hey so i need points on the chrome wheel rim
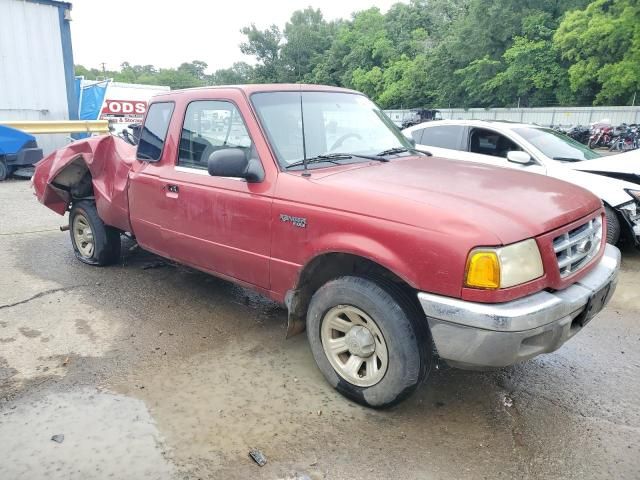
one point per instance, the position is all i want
(83, 235)
(354, 345)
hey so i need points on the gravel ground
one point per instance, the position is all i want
(151, 370)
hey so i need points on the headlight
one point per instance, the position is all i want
(630, 208)
(634, 193)
(493, 268)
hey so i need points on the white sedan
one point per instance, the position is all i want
(615, 179)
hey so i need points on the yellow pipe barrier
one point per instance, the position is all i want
(62, 126)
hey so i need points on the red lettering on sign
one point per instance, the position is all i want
(115, 107)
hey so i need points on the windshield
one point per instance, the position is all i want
(556, 145)
(310, 124)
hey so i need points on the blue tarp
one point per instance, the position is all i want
(90, 99)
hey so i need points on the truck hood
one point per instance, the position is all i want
(509, 204)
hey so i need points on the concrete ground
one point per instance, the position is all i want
(156, 371)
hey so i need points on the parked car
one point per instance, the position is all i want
(17, 150)
(419, 115)
(311, 196)
(544, 151)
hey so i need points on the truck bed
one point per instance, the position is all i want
(108, 159)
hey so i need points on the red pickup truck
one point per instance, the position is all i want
(391, 258)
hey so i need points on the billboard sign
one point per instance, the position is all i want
(123, 111)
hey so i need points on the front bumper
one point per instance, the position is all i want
(25, 157)
(477, 335)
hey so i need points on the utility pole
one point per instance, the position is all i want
(633, 102)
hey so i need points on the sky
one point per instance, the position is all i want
(165, 34)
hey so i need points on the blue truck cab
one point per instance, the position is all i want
(17, 150)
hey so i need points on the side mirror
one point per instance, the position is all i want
(136, 129)
(233, 162)
(412, 141)
(516, 156)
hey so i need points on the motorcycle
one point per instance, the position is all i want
(580, 134)
(626, 137)
(601, 135)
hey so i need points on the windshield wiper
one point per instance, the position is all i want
(568, 159)
(396, 150)
(331, 157)
(319, 159)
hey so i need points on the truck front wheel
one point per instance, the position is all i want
(93, 242)
(369, 340)
(4, 169)
(613, 225)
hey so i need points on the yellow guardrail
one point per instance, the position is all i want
(62, 126)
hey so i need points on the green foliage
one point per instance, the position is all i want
(307, 36)
(185, 76)
(440, 53)
(264, 45)
(239, 73)
(602, 44)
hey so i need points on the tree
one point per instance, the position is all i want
(239, 73)
(307, 35)
(602, 43)
(195, 69)
(532, 71)
(440, 53)
(473, 83)
(264, 45)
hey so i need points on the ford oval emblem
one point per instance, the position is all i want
(585, 246)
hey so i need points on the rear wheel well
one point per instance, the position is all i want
(327, 267)
(76, 179)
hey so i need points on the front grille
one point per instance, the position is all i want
(575, 248)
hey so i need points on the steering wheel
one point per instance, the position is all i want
(341, 140)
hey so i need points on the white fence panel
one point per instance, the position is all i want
(565, 116)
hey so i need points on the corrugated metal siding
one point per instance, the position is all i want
(32, 77)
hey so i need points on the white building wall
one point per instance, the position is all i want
(32, 76)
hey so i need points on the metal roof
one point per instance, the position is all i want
(53, 3)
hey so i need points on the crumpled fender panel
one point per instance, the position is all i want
(109, 160)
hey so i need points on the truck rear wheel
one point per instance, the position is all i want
(93, 242)
(369, 340)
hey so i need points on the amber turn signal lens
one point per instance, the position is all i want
(483, 270)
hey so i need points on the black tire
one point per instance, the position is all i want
(106, 239)
(4, 170)
(613, 225)
(403, 327)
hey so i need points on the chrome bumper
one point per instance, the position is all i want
(476, 335)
